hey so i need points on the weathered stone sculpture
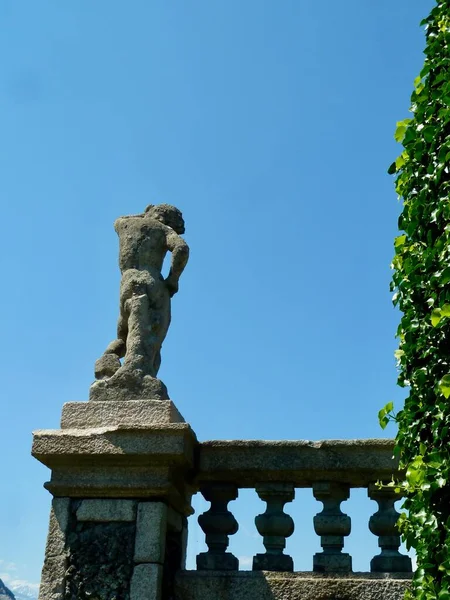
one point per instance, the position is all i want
(145, 297)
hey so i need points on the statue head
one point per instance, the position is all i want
(167, 214)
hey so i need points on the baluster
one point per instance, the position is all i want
(275, 526)
(332, 525)
(384, 524)
(218, 523)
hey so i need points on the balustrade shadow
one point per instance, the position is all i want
(262, 585)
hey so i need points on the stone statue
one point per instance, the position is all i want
(144, 305)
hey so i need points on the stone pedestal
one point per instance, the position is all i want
(118, 524)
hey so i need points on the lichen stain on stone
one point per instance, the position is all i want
(100, 561)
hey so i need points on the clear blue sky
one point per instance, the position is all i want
(270, 124)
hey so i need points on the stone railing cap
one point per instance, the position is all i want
(301, 462)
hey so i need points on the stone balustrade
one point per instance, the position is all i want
(123, 475)
(275, 469)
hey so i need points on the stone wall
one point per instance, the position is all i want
(110, 549)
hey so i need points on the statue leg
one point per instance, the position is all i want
(159, 320)
(144, 321)
(137, 350)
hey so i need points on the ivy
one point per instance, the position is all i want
(421, 286)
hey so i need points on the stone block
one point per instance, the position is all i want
(110, 482)
(332, 563)
(146, 582)
(174, 442)
(273, 562)
(397, 563)
(55, 563)
(53, 578)
(47, 592)
(151, 482)
(84, 415)
(59, 521)
(100, 561)
(151, 528)
(206, 561)
(106, 510)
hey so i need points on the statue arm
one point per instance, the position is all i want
(180, 255)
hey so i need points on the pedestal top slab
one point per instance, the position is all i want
(131, 413)
(147, 461)
(171, 443)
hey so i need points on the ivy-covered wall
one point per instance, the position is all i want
(421, 283)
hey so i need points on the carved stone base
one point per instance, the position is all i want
(217, 562)
(332, 563)
(391, 564)
(128, 385)
(273, 562)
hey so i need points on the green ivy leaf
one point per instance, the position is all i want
(401, 160)
(383, 415)
(392, 169)
(401, 129)
(383, 421)
(398, 354)
(436, 317)
(445, 277)
(444, 386)
(399, 241)
(429, 133)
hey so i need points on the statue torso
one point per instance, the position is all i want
(142, 243)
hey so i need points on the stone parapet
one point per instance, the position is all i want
(206, 585)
